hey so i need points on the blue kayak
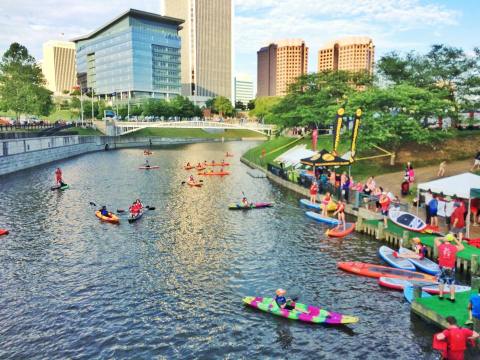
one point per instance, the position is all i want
(386, 254)
(321, 218)
(309, 204)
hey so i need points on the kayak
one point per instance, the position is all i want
(200, 168)
(132, 218)
(407, 220)
(308, 313)
(112, 219)
(339, 232)
(426, 265)
(219, 173)
(3, 232)
(429, 287)
(408, 294)
(386, 254)
(60, 187)
(218, 164)
(377, 271)
(189, 167)
(258, 205)
(149, 167)
(193, 183)
(147, 152)
(228, 155)
(320, 218)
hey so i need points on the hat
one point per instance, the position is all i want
(449, 237)
(280, 292)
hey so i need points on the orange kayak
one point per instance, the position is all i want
(377, 271)
(219, 173)
(3, 232)
(200, 168)
(112, 219)
(189, 167)
(218, 164)
(193, 183)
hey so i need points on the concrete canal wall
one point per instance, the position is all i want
(20, 154)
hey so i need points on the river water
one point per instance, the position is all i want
(171, 285)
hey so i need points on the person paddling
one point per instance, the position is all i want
(147, 164)
(245, 202)
(284, 303)
(105, 212)
(58, 176)
(191, 179)
(340, 211)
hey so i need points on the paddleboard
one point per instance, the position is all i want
(407, 220)
(408, 294)
(307, 313)
(386, 254)
(310, 205)
(429, 287)
(377, 271)
(339, 232)
(320, 218)
(425, 265)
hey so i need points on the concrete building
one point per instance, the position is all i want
(58, 66)
(279, 65)
(206, 46)
(243, 89)
(354, 53)
(134, 56)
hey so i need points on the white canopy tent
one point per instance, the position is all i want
(293, 156)
(458, 185)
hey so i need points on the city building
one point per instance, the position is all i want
(58, 66)
(206, 46)
(279, 65)
(134, 56)
(354, 53)
(243, 89)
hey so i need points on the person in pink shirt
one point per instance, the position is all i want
(447, 257)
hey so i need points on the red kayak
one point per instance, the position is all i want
(339, 232)
(3, 232)
(218, 164)
(377, 271)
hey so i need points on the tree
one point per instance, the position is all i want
(223, 106)
(21, 84)
(251, 104)
(240, 105)
(263, 106)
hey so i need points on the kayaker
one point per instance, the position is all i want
(456, 338)
(188, 164)
(58, 176)
(325, 201)
(204, 162)
(313, 192)
(282, 302)
(134, 210)
(245, 202)
(340, 212)
(223, 162)
(147, 164)
(105, 212)
(139, 204)
(191, 179)
(447, 256)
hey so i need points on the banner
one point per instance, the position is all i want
(356, 126)
(337, 127)
(314, 139)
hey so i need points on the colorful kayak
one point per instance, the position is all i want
(320, 218)
(377, 271)
(386, 254)
(258, 205)
(60, 187)
(132, 218)
(307, 313)
(409, 296)
(427, 286)
(407, 220)
(3, 232)
(339, 232)
(112, 219)
(426, 265)
(149, 167)
(219, 173)
(194, 183)
(218, 164)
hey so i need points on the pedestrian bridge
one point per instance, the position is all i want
(125, 127)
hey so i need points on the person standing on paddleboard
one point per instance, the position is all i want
(456, 338)
(58, 176)
(447, 256)
(313, 192)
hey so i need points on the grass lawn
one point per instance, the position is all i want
(195, 133)
(82, 131)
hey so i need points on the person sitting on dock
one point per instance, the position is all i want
(420, 251)
(447, 256)
(456, 338)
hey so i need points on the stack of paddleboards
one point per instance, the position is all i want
(407, 263)
(339, 231)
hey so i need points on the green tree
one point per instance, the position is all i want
(223, 106)
(22, 84)
(263, 106)
(251, 105)
(240, 105)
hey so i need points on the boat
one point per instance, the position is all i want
(219, 173)
(4, 232)
(149, 167)
(217, 164)
(194, 183)
(60, 187)
(321, 218)
(257, 205)
(147, 152)
(427, 286)
(339, 232)
(200, 168)
(386, 254)
(132, 218)
(426, 265)
(407, 220)
(377, 271)
(189, 167)
(408, 294)
(112, 219)
(307, 313)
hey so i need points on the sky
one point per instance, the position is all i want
(394, 25)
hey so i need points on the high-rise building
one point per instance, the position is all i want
(58, 66)
(136, 55)
(279, 65)
(243, 89)
(206, 46)
(353, 53)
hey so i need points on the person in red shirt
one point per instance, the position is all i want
(341, 214)
(456, 338)
(313, 192)
(447, 256)
(474, 206)
(58, 176)
(457, 220)
(384, 205)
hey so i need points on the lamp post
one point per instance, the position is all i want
(91, 94)
(81, 103)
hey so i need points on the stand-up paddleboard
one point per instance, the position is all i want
(307, 313)
(320, 218)
(408, 294)
(339, 232)
(386, 254)
(377, 271)
(407, 220)
(425, 265)
(309, 204)
(60, 187)
(429, 287)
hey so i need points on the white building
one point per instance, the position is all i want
(243, 89)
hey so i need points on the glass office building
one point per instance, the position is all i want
(136, 55)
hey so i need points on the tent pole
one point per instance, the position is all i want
(468, 216)
(418, 199)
